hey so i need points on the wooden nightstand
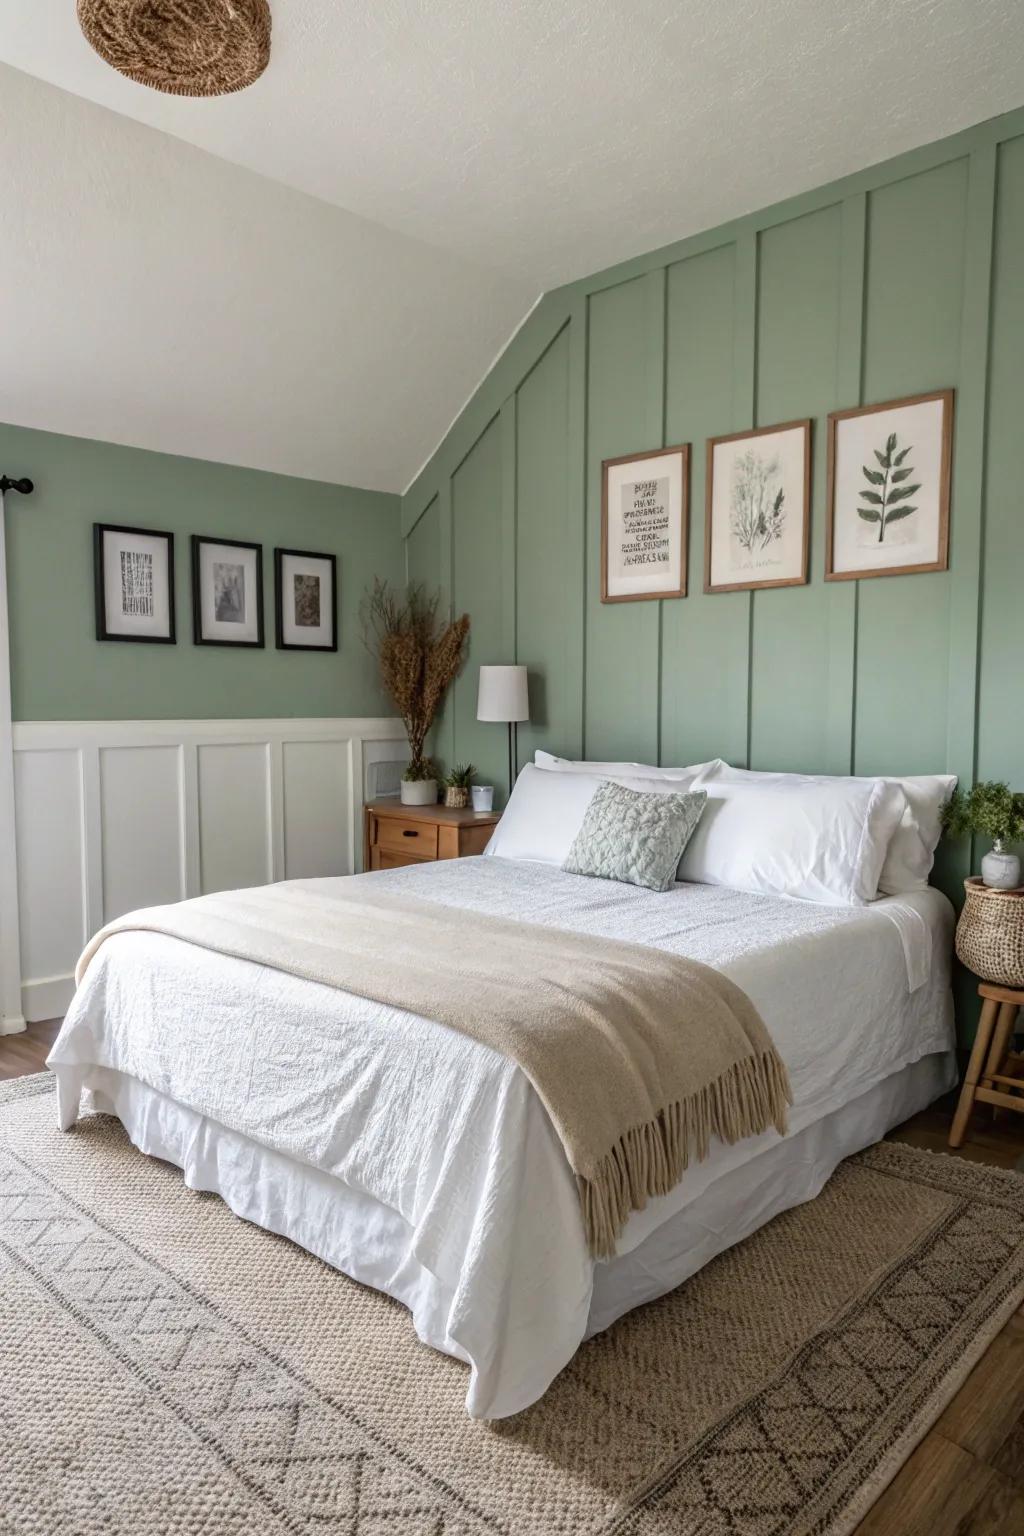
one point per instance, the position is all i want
(395, 834)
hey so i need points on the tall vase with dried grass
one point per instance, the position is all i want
(419, 654)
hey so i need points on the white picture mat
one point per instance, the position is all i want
(117, 621)
(910, 541)
(658, 528)
(211, 555)
(783, 558)
(321, 634)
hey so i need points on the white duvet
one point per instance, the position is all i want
(428, 1154)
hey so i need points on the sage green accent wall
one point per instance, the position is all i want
(902, 278)
(60, 671)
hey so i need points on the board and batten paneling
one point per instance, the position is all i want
(111, 816)
(899, 279)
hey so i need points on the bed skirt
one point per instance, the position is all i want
(372, 1243)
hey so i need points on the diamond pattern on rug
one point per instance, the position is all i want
(787, 1451)
(308, 1460)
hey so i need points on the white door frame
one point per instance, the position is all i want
(12, 1019)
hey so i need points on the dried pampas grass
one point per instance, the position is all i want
(419, 655)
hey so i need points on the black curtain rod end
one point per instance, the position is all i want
(24, 486)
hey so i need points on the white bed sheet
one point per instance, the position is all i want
(409, 1119)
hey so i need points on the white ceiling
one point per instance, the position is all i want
(530, 141)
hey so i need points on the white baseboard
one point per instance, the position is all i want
(47, 998)
(114, 815)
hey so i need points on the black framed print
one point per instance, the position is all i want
(305, 600)
(134, 576)
(227, 591)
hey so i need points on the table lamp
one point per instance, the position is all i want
(503, 697)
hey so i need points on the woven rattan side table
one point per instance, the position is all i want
(995, 1074)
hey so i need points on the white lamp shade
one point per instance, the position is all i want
(503, 694)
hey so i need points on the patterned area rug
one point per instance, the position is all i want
(166, 1368)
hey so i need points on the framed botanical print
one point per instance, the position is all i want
(644, 522)
(757, 508)
(133, 570)
(227, 592)
(305, 600)
(888, 487)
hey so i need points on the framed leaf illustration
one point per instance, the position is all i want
(888, 488)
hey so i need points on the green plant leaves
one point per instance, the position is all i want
(893, 501)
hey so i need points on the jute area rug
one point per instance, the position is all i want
(166, 1368)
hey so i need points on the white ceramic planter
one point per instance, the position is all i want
(1001, 870)
(419, 792)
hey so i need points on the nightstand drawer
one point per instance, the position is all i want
(414, 839)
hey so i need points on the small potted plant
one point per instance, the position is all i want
(419, 654)
(992, 810)
(456, 792)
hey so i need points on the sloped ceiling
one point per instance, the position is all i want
(425, 168)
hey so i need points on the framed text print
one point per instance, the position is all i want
(758, 504)
(888, 487)
(134, 579)
(227, 592)
(306, 600)
(644, 512)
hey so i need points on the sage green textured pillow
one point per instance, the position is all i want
(634, 837)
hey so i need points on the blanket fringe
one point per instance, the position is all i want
(650, 1159)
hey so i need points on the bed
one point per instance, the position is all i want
(422, 1163)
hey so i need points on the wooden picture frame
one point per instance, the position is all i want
(793, 549)
(841, 563)
(288, 622)
(215, 629)
(160, 596)
(663, 518)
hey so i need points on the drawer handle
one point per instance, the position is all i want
(408, 832)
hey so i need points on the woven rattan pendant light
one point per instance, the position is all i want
(185, 47)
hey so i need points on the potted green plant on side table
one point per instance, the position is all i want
(992, 810)
(456, 792)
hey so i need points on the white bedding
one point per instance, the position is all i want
(455, 1193)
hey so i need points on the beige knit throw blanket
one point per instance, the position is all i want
(638, 1056)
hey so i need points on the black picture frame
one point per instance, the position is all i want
(197, 541)
(303, 554)
(99, 532)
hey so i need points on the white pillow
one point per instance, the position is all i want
(823, 840)
(911, 853)
(616, 770)
(545, 811)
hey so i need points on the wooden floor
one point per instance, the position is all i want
(966, 1478)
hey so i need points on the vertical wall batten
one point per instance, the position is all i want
(968, 489)
(656, 282)
(745, 415)
(576, 523)
(843, 595)
(507, 548)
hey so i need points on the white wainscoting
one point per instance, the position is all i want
(112, 815)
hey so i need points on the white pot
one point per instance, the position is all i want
(1001, 870)
(419, 792)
